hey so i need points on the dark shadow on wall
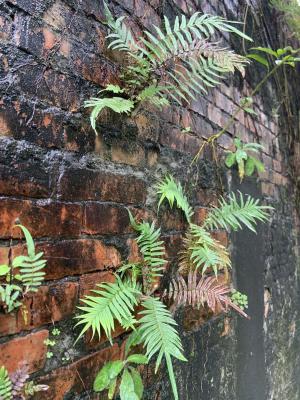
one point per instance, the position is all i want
(248, 266)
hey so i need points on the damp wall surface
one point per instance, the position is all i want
(71, 190)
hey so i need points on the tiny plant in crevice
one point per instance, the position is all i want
(132, 299)
(246, 162)
(176, 63)
(21, 275)
(240, 299)
(16, 385)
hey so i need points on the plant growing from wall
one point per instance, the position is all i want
(178, 62)
(286, 56)
(246, 162)
(16, 385)
(135, 286)
(23, 274)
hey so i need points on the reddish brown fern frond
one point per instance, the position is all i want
(206, 291)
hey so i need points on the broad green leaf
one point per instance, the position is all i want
(112, 389)
(265, 50)
(249, 167)
(258, 58)
(108, 373)
(127, 387)
(137, 359)
(138, 383)
(29, 240)
(133, 340)
(4, 269)
(249, 110)
(240, 155)
(230, 160)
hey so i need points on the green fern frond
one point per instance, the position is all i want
(202, 252)
(9, 297)
(31, 266)
(159, 335)
(154, 95)
(112, 301)
(117, 104)
(151, 247)
(234, 212)
(121, 35)
(172, 191)
(5, 385)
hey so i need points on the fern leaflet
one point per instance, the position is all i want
(160, 336)
(5, 385)
(234, 212)
(197, 293)
(172, 191)
(112, 301)
(203, 252)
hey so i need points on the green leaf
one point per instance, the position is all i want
(5, 385)
(137, 359)
(138, 383)
(172, 191)
(240, 155)
(133, 340)
(112, 389)
(113, 89)
(29, 240)
(107, 374)
(4, 269)
(127, 391)
(230, 160)
(265, 50)
(260, 59)
(112, 301)
(249, 168)
(249, 110)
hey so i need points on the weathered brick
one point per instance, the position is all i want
(76, 257)
(107, 219)
(51, 303)
(29, 349)
(23, 171)
(126, 156)
(86, 184)
(88, 282)
(200, 214)
(78, 376)
(41, 218)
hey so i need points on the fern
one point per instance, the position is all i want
(152, 250)
(9, 297)
(5, 385)
(113, 301)
(197, 293)
(203, 252)
(31, 266)
(176, 63)
(160, 336)
(172, 191)
(233, 213)
(117, 104)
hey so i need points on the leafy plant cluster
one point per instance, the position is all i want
(132, 301)
(16, 386)
(176, 63)
(246, 162)
(22, 275)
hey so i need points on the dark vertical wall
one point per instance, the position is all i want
(71, 190)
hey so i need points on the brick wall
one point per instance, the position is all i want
(71, 190)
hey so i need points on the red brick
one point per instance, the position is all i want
(175, 139)
(133, 251)
(29, 349)
(78, 376)
(200, 214)
(85, 184)
(51, 303)
(221, 236)
(127, 156)
(41, 218)
(88, 282)
(76, 257)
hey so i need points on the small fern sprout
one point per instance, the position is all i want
(172, 191)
